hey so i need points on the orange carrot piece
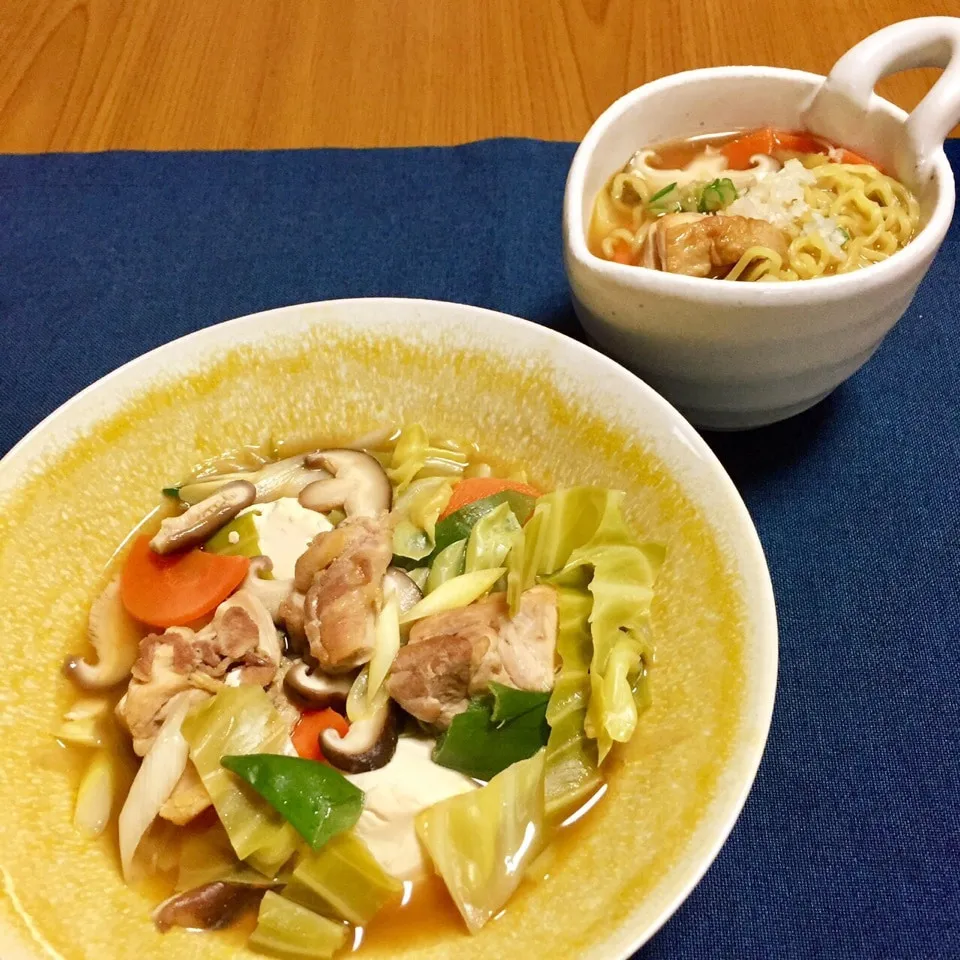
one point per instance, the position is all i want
(476, 488)
(848, 156)
(179, 588)
(621, 254)
(738, 152)
(312, 723)
(799, 142)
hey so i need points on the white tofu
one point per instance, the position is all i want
(394, 795)
(284, 530)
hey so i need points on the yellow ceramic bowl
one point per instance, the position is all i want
(72, 490)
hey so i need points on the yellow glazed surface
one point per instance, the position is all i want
(62, 897)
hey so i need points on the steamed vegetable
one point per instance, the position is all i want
(208, 857)
(572, 764)
(448, 563)
(114, 635)
(491, 538)
(282, 478)
(623, 574)
(291, 932)
(167, 591)
(482, 842)
(162, 767)
(243, 530)
(479, 488)
(716, 195)
(96, 795)
(494, 732)
(415, 514)
(413, 453)
(317, 800)
(458, 592)
(343, 880)
(459, 524)
(236, 722)
(386, 642)
(84, 723)
(312, 723)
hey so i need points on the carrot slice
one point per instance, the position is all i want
(621, 254)
(799, 142)
(738, 152)
(848, 156)
(312, 723)
(177, 589)
(476, 488)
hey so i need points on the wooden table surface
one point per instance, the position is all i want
(208, 74)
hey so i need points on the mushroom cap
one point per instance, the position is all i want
(198, 523)
(359, 484)
(318, 689)
(408, 593)
(370, 743)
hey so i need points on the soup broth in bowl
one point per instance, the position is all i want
(480, 387)
(757, 205)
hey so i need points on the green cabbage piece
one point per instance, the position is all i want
(622, 574)
(240, 721)
(413, 455)
(449, 563)
(208, 857)
(572, 764)
(343, 880)
(481, 842)
(291, 932)
(415, 513)
(578, 541)
(491, 538)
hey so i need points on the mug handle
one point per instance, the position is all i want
(923, 42)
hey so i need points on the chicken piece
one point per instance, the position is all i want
(188, 800)
(240, 638)
(340, 581)
(706, 246)
(454, 655)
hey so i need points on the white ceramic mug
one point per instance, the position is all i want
(740, 355)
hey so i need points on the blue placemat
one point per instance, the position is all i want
(849, 845)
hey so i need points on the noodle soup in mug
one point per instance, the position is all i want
(744, 237)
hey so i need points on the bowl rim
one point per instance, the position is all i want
(33, 451)
(921, 248)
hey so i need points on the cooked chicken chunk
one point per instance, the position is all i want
(240, 639)
(452, 656)
(188, 800)
(338, 590)
(706, 246)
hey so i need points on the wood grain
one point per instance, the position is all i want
(215, 74)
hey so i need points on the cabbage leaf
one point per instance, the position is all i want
(342, 880)
(481, 842)
(240, 721)
(414, 455)
(291, 932)
(448, 563)
(491, 538)
(415, 517)
(572, 764)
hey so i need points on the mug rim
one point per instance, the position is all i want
(922, 248)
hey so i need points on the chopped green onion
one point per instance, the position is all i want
(716, 195)
(660, 194)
